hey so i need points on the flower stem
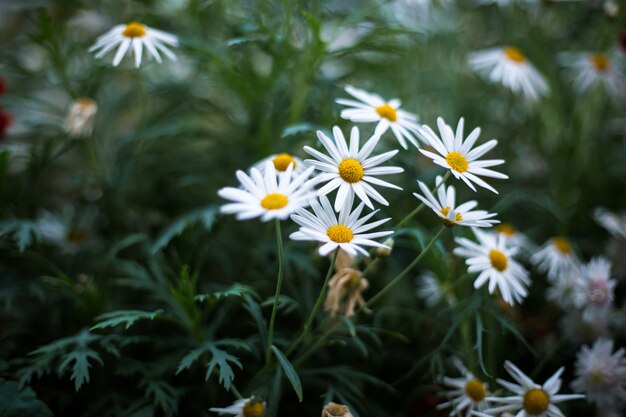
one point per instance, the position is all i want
(279, 283)
(322, 296)
(421, 206)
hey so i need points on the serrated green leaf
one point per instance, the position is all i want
(23, 232)
(126, 317)
(16, 402)
(290, 372)
(236, 290)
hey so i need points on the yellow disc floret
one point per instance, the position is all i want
(536, 401)
(498, 259)
(562, 245)
(274, 201)
(340, 233)
(457, 162)
(253, 408)
(514, 54)
(449, 222)
(282, 161)
(351, 170)
(506, 229)
(475, 390)
(387, 112)
(600, 62)
(134, 30)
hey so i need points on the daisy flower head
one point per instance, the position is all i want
(347, 232)
(563, 291)
(445, 207)
(492, 257)
(531, 399)
(556, 258)
(601, 374)
(80, 117)
(432, 291)
(349, 169)
(370, 108)
(281, 162)
(595, 68)
(135, 36)
(467, 392)
(510, 67)
(596, 291)
(268, 195)
(245, 407)
(456, 153)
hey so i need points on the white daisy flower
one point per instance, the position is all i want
(80, 117)
(510, 67)
(596, 291)
(350, 169)
(468, 392)
(372, 108)
(562, 291)
(593, 68)
(137, 36)
(601, 374)
(345, 232)
(432, 291)
(556, 258)
(268, 195)
(492, 257)
(531, 399)
(456, 153)
(516, 238)
(246, 407)
(281, 162)
(445, 207)
(614, 223)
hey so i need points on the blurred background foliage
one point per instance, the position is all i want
(123, 292)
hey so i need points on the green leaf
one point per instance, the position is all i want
(126, 317)
(290, 372)
(20, 403)
(23, 232)
(236, 290)
(206, 216)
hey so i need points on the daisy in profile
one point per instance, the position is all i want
(246, 407)
(601, 374)
(613, 223)
(530, 399)
(510, 67)
(135, 36)
(467, 393)
(268, 195)
(556, 258)
(445, 207)
(493, 258)
(349, 169)
(281, 162)
(594, 68)
(596, 291)
(456, 153)
(371, 108)
(347, 232)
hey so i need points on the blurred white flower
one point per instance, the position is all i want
(432, 291)
(457, 155)
(510, 67)
(516, 238)
(563, 290)
(135, 36)
(245, 407)
(467, 393)
(556, 258)
(601, 374)
(614, 223)
(372, 108)
(70, 231)
(80, 117)
(596, 291)
(593, 68)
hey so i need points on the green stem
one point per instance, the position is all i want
(421, 206)
(317, 305)
(279, 282)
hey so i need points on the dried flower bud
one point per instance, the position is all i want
(384, 252)
(336, 410)
(80, 118)
(344, 292)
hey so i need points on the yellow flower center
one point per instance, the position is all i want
(562, 245)
(335, 410)
(457, 162)
(506, 229)
(134, 30)
(448, 222)
(514, 54)
(339, 233)
(76, 235)
(274, 201)
(253, 408)
(498, 259)
(475, 390)
(536, 401)
(282, 161)
(600, 62)
(351, 170)
(387, 112)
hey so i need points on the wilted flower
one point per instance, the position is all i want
(246, 407)
(80, 117)
(336, 410)
(345, 290)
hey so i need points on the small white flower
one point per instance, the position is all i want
(563, 290)
(556, 258)
(510, 67)
(468, 392)
(372, 108)
(451, 214)
(349, 169)
(281, 162)
(601, 374)
(268, 195)
(135, 36)
(492, 257)
(80, 117)
(432, 291)
(591, 68)
(615, 224)
(456, 154)
(346, 232)
(596, 291)
(246, 407)
(531, 399)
